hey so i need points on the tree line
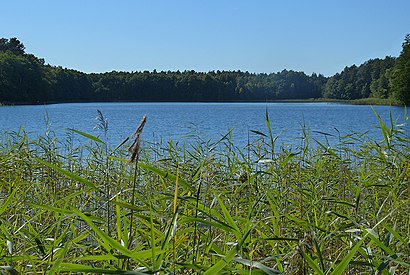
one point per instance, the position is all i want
(27, 79)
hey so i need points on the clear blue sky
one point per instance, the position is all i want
(321, 36)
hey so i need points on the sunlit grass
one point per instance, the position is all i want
(207, 207)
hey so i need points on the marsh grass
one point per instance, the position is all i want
(206, 207)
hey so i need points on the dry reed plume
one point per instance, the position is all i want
(135, 147)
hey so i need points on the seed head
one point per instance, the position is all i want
(135, 147)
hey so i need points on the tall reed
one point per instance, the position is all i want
(207, 207)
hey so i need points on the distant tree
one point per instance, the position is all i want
(400, 77)
(23, 79)
(71, 86)
(380, 87)
(369, 79)
(12, 45)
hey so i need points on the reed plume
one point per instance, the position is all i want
(102, 122)
(135, 147)
(135, 150)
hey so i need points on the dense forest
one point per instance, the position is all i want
(27, 79)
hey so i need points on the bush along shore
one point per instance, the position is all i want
(205, 208)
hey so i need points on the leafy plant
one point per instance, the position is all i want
(209, 208)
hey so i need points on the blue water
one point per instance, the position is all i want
(186, 121)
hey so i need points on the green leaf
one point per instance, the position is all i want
(217, 224)
(341, 267)
(53, 209)
(221, 263)
(311, 263)
(69, 174)
(59, 260)
(153, 248)
(280, 239)
(392, 254)
(107, 240)
(385, 130)
(228, 217)
(11, 200)
(94, 138)
(323, 133)
(76, 268)
(228, 257)
(98, 258)
(258, 133)
(165, 175)
(394, 232)
(253, 264)
(358, 194)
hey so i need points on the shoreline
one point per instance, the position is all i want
(362, 101)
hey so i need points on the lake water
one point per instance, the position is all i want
(183, 121)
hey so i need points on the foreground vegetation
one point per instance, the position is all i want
(26, 79)
(206, 207)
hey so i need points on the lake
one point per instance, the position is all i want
(187, 121)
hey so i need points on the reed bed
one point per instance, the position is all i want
(207, 207)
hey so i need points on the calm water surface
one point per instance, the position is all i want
(181, 121)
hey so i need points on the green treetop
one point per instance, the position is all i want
(400, 79)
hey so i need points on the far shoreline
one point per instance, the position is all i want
(362, 101)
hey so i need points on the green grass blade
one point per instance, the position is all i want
(258, 133)
(119, 218)
(137, 254)
(79, 268)
(228, 217)
(69, 174)
(93, 138)
(258, 265)
(107, 240)
(52, 209)
(384, 129)
(8, 202)
(271, 138)
(97, 258)
(153, 241)
(226, 213)
(221, 263)
(59, 260)
(217, 224)
(228, 257)
(165, 175)
(394, 233)
(392, 254)
(341, 267)
(311, 263)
